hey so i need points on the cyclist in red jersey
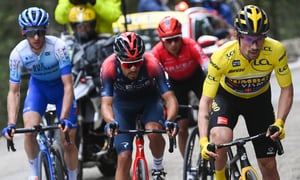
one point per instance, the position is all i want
(182, 58)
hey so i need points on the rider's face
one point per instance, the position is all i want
(35, 37)
(250, 46)
(173, 45)
(131, 68)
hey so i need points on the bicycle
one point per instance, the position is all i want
(51, 165)
(245, 171)
(140, 166)
(195, 167)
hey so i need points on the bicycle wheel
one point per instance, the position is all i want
(43, 166)
(141, 171)
(194, 166)
(59, 167)
(250, 175)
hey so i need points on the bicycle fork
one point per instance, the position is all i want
(139, 156)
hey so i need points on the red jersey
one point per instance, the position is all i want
(182, 66)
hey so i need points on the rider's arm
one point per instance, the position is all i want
(171, 104)
(203, 115)
(13, 102)
(68, 96)
(106, 108)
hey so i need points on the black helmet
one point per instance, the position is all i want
(129, 46)
(252, 20)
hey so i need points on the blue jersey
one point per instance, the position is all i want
(46, 69)
(49, 65)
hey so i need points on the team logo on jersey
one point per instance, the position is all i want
(262, 65)
(236, 63)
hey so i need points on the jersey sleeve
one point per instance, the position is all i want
(107, 76)
(215, 70)
(156, 71)
(281, 69)
(198, 53)
(62, 55)
(15, 67)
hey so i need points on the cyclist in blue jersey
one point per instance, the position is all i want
(133, 82)
(46, 59)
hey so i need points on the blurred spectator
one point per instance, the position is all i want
(153, 5)
(223, 9)
(181, 6)
(107, 12)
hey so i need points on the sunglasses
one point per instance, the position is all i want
(129, 64)
(175, 39)
(32, 32)
(253, 39)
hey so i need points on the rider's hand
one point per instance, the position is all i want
(8, 131)
(65, 124)
(110, 128)
(171, 127)
(279, 123)
(203, 146)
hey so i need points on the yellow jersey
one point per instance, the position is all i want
(244, 78)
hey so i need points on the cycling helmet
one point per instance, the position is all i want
(81, 13)
(169, 26)
(33, 16)
(129, 46)
(252, 20)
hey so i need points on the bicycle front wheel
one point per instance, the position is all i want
(250, 175)
(59, 166)
(43, 167)
(194, 166)
(141, 172)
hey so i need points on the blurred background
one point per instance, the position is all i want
(283, 16)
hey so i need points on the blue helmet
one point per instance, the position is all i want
(33, 16)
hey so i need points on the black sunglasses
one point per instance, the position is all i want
(32, 32)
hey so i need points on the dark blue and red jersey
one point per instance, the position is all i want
(151, 79)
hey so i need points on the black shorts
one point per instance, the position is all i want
(183, 87)
(258, 113)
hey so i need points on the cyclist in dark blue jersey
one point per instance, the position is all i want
(133, 82)
(47, 60)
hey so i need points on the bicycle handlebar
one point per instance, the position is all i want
(241, 141)
(172, 140)
(37, 128)
(195, 107)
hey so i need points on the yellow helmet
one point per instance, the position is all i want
(81, 13)
(252, 20)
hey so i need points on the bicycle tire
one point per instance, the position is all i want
(60, 169)
(194, 166)
(251, 175)
(141, 171)
(43, 166)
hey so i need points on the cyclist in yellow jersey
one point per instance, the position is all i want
(238, 83)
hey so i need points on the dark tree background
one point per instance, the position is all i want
(283, 14)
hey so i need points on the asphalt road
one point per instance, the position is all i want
(14, 166)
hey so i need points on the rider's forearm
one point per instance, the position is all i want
(13, 103)
(171, 105)
(68, 97)
(203, 115)
(285, 102)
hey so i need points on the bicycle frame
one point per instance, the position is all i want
(140, 154)
(46, 147)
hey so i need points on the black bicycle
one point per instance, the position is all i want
(51, 165)
(195, 167)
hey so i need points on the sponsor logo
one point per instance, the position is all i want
(222, 120)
